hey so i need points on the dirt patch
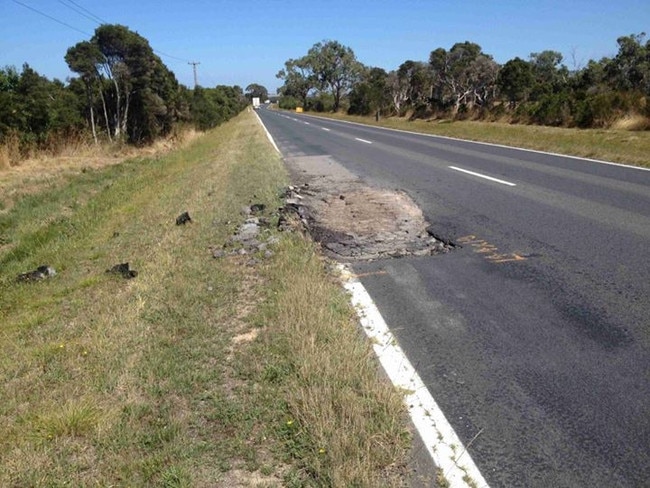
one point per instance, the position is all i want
(240, 478)
(353, 220)
(247, 337)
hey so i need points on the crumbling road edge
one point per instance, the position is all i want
(442, 443)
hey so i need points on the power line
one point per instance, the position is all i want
(170, 56)
(99, 20)
(96, 19)
(84, 12)
(51, 18)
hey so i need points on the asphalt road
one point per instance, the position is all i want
(534, 334)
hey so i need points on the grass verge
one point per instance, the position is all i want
(200, 371)
(616, 145)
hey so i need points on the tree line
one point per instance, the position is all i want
(122, 92)
(464, 82)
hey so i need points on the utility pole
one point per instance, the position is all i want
(196, 78)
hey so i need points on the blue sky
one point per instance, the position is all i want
(243, 42)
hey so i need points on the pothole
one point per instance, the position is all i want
(354, 221)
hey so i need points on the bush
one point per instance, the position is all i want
(288, 103)
(323, 102)
(602, 109)
(421, 111)
(553, 109)
(495, 113)
(210, 107)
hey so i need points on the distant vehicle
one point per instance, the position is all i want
(256, 102)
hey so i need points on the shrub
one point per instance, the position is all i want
(602, 109)
(323, 102)
(552, 109)
(288, 103)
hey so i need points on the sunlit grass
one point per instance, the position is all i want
(340, 422)
(114, 382)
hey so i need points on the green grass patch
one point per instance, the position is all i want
(200, 371)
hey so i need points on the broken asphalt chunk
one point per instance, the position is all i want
(38, 274)
(183, 218)
(123, 269)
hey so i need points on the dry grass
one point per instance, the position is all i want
(633, 122)
(148, 382)
(77, 153)
(34, 174)
(9, 150)
(342, 422)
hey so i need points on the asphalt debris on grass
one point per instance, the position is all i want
(183, 218)
(252, 237)
(124, 270)
(37, 274)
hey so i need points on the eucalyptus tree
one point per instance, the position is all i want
(298, 78)
(255, 90)
(398, 89)
(140, 96)
(515, 81)
(464, 75)
(83, 59)
(416, 78)
(630, 68)
(550, 75)
(334, 67)
(371, 95)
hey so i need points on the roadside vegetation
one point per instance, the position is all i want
(123, 94)
(199, 371)
(465, 83)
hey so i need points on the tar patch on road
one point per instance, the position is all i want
(354, 221)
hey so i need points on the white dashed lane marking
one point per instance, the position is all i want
(503, 182)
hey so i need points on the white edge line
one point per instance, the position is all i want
(503, 182)
(362, 140)
(268, 134)
(434, 136)
(442, 443)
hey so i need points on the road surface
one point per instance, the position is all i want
(534, 334)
